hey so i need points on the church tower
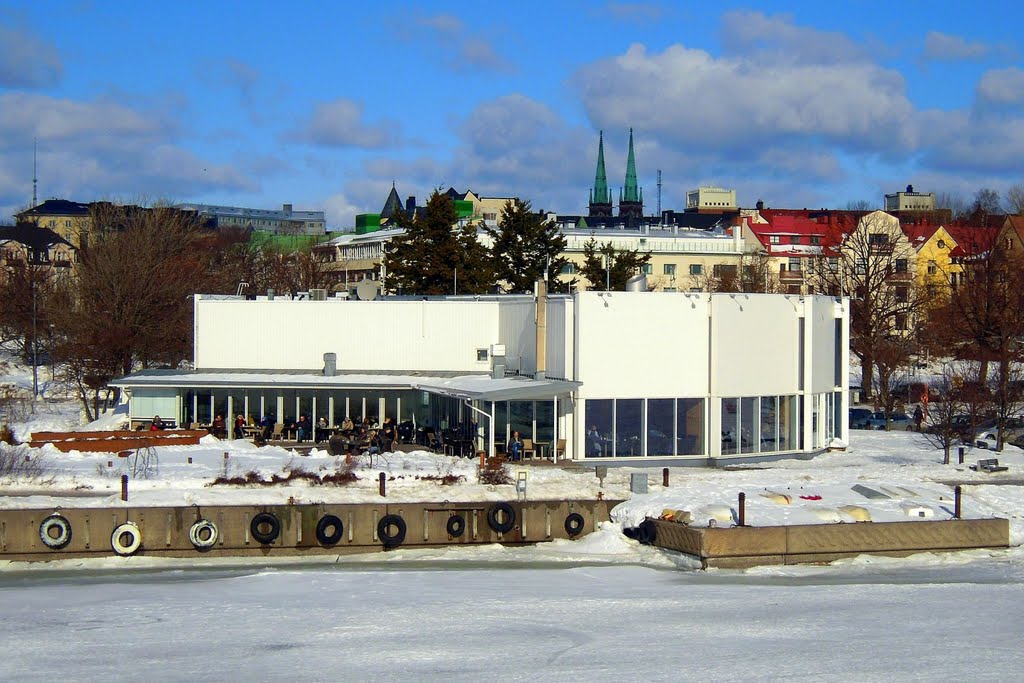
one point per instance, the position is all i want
(631, 198)
(600, 197)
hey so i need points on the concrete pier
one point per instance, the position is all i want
(289, 530)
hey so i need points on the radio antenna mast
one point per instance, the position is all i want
(659, 196)
(35, 180)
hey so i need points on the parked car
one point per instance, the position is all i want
(860, 417)
(987, 431)
(897, 422)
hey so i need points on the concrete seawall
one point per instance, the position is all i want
(288, 530)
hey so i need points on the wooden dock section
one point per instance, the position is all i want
(288, 530)
(742, 547)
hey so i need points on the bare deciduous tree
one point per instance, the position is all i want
(873, 265)
(131, 301)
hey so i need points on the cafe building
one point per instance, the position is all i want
(631, 377)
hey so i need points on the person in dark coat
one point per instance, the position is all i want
(218, 427)
(303, 429)
(515, 447)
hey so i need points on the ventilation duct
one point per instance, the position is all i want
(637, 283)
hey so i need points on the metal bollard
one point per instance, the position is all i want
(124, 487)
(382, 479)
(28, 458)
(225, 455)
(664, 477)
(190, 460)
(742, 517)
(960, 455)
(110, 463)
(956, 502)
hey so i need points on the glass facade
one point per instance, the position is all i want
(760, 424)
(653, 427)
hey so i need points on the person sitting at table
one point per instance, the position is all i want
(302, 429)
(266, 426)
(594, 441)
(388, 435)
(218, 428)
(157, 424)
(322, 430)
(515, 447)
(239, 423)
(347, 426)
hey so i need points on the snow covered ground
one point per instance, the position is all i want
(602, 607)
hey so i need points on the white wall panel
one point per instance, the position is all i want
(366, 335)
(518, 332)
(641, 344)
(560, 338)
(822, 320)
(756, 346)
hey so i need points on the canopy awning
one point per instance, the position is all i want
(475, 387)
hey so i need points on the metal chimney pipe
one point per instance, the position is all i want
(542, 328)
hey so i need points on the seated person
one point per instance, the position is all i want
(594, 443)
(157, 424)
(347, 425)
(218, 428)
(266, 427)
(302, 429)
(388, 435)
(239, 423)
(515, 447)
(322, 430)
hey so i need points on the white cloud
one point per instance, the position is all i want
(464, 50)
(689, 98)
(639, 12)
(1002, 86)
(777, 38)
(943, 47)
(443, 23)
(92, 149)
(26, 61)
(340, 123)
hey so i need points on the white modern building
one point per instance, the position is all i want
(606, 377)
(285, 220)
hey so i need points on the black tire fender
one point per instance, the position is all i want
(574, 524)
(63, 527)
(391, 540)
(456, 526)
(647, 532)
(510, 518)
(265, 537)
(329, 522)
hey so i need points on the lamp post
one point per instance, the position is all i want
(607, 273)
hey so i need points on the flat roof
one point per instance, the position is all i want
(479, 387)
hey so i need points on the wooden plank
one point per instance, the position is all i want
(115, 445)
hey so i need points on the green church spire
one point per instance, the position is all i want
(601, 195)
(632, 192)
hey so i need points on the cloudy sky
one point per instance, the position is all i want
(255, 103)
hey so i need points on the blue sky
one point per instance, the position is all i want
(800, 104)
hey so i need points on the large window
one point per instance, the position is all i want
(600, 428)
(617, 427)
(730, 426)
(690, 426)
(661, 418)
(629, 427)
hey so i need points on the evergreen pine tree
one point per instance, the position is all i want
(436, 256)
(524, 246)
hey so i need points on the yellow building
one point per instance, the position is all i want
(71, 220)
(935, 266)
